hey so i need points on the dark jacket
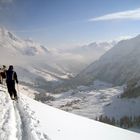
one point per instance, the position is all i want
(11, 76)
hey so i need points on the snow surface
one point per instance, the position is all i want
(28, 119)
(96, 100)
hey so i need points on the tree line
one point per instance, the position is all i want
(123, 122)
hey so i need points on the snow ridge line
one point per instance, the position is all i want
(25, 131)
(18, 123)
(30, 124)
(6, 115)
(8, 123)
(3, 124)
(17, 120)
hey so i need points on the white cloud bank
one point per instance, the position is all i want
(130, 15)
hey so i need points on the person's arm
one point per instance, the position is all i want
(0, 78)
(15, 77)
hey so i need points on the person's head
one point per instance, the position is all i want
(4, 66)
(11, 67)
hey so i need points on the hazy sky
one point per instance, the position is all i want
(64, 23)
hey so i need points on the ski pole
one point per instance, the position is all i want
(17, 91)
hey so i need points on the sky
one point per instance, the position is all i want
(68, 23)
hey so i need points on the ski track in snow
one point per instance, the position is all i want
(17, 120)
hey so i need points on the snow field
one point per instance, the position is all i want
(28, 119)
(31, 126)
(61, 125)
(17, 121)
(7, 118)
(92, 103)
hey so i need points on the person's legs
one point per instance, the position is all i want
(14, 91)
(9, 87)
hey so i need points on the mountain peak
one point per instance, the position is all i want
(137, 37)
(12, 43)
(7, 34)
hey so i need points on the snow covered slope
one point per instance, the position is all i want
(13, 44)
(99, 99)
(118, 65)
(31, 120)
(32, 61)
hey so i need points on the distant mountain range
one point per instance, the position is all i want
(113, 62)
(32, 61)
(35, 62)
(92, 51)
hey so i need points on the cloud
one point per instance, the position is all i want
(124, 37)
(129, 15)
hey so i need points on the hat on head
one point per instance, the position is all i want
(11, 67)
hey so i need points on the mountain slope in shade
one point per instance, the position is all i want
(31, 120)
(119, 65)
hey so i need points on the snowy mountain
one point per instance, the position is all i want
(12, 44)
(33, 62)
(92, 51)
(30, 120)
(118, 65)
(73, 60)
(40, 67)
(98, 47)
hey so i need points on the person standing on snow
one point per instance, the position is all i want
(3, 74)
(11, 77)
(0, 76)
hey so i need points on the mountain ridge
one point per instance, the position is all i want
(118, 65)
(24, 47)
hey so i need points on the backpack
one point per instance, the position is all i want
(3, 74)
(10, 75)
